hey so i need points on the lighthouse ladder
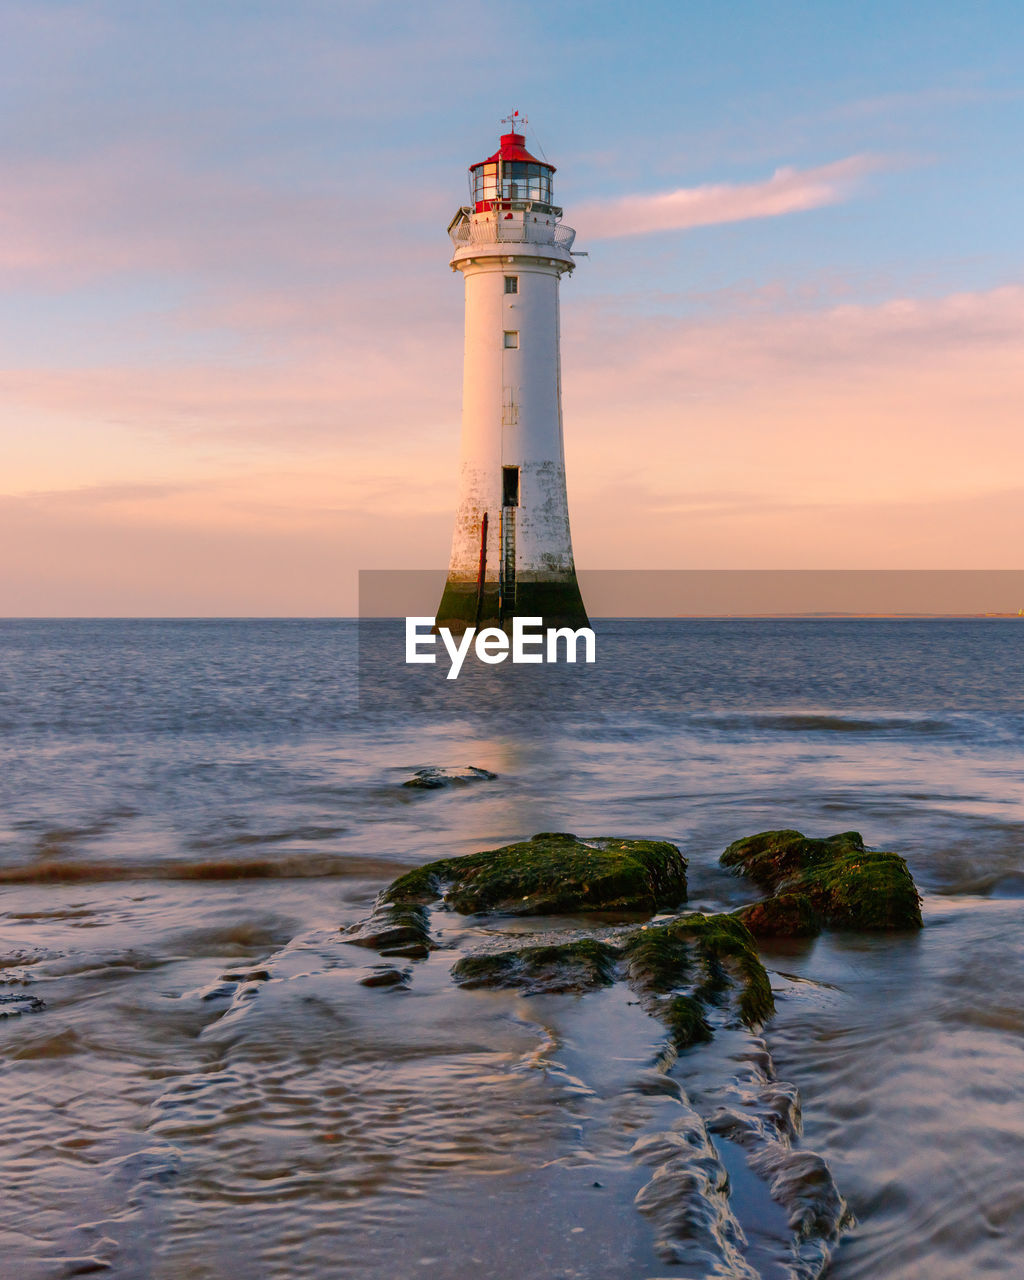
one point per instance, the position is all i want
(508, 562)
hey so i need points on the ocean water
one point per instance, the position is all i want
(195, 1083)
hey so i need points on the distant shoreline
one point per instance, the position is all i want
(907, 617)
(611, 617)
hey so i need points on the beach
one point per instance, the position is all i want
(196, 1081)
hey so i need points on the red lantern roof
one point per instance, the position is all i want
(513, 147)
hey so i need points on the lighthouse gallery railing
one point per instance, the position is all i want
(520, 231)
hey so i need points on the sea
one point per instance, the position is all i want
(197, 1083)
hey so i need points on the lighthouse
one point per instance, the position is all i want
(511, 549)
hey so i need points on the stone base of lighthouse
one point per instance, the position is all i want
(554, 598)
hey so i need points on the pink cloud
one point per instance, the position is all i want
(332, 387)
(192, 556)
(786, 191)
(716, 356)
(774, 435)
(853, 435)
(856, 530)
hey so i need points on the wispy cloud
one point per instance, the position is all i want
(912, 401)
(786, 191)
(757, 344)
(99, 496)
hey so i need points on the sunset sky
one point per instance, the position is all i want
(231, 342)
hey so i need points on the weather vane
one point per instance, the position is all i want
(514, 119)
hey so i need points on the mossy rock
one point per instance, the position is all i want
(832, 881)
(712, 954)
(865, 891)
(770, 858)
(582, 965)
(680, 968)
(553, 872)
(787, 915)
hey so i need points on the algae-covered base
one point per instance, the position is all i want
(555, 599)
(554, 872)
(815, 882)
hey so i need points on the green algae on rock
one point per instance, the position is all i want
(681, 968)
(684, 1018)
(581, 965)
(814, 882)
(771, 857)
(552, 872)
(714, 954)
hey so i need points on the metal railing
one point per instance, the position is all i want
(521, 230)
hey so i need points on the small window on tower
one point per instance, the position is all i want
(511, 284)
(510, 486)
(511, 338)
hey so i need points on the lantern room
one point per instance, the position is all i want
(511, 178)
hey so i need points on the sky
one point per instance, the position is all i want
(231, 344)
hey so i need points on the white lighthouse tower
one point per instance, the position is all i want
(511, 550)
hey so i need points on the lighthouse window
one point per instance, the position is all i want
(511, 338)
(521, 181)
(510, 486)
(485, 181)
(511, 284)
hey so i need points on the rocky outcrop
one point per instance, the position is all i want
(553, 872)
(394, 929)
(817, 882)
(696, 974)
(13, 1005)
(434, 777)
